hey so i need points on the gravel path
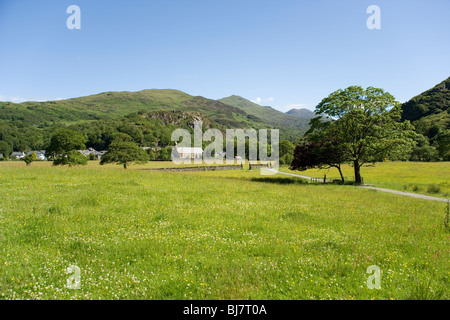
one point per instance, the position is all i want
(407, 194)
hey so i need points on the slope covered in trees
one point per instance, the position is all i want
(429, 113)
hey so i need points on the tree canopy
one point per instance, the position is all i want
(286, 152)
(63, 148)
(123, 150)
(319, 152)
(366, 124)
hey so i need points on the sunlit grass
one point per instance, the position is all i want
(141, 234)
(414, 177)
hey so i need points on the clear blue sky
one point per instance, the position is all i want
(281, 53)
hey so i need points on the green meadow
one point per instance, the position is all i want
(235, 234)
(429, 178)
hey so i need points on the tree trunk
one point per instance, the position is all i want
(357, 168)
(342, 176)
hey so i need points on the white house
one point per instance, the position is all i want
(187, 152)
(98, 154)
(39, 154)
(17, 155)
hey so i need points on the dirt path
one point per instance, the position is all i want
(407, 194)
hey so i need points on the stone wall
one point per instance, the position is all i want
(203, 168)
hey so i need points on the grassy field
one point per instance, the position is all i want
(141, 234)
(430, 178)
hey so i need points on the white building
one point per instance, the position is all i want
(17, 155)
(187, 152)
(39, 154)
(98, 154)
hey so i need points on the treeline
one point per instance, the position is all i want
(152, 130)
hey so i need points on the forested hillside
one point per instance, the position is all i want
(429, 113)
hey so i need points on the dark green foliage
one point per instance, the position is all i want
(20, 136)
(152, 154)
(5, 148)
(286, 152)
(319, 152)
(63, 148)
(429, 113)
(71, 158)
(365, 123)
(28, 159)
(66, 140)
(422, 151)
(153, 129)
(123, 151)
(442, 142)
(165, 154)
(433, 188)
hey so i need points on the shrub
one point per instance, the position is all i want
(72, 158)
(433, 188)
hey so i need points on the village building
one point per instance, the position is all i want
(17, 155)
(39, 154)
(187, 152)
(97, 154)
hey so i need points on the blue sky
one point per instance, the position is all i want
(285, 53)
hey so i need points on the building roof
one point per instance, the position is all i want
(188, 150)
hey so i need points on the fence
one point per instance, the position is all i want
(347, 180)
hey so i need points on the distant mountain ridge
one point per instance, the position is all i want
(109, 105)
(293, 126)
(29, 125)
(302, 113)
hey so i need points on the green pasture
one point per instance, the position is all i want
(142, 234)
(430, 178)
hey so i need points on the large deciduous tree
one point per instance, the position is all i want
(123, 150)
(366, 123)
(63, 148)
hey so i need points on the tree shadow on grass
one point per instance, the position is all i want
(277, 180)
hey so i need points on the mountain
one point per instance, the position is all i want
(292, 126)
(110, 105)
(302, 113)
(29, 125)
(429, 113)
(435, 101)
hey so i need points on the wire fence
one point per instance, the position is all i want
(335, 180)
